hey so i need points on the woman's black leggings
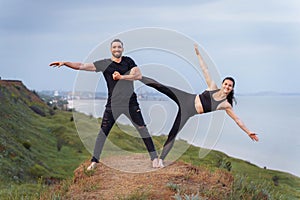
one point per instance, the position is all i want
(186, 109)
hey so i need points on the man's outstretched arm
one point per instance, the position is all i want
(75, 65)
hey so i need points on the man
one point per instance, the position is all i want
(119, 72)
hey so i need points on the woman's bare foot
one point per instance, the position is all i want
(92, 166)
(161, 163)
(155, 163)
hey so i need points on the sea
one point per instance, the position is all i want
(275, 118)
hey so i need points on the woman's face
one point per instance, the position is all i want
(227, 86)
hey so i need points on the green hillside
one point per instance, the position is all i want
(37, 143)
(40, 146)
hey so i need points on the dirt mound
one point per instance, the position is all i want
(137, 180)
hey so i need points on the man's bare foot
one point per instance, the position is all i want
(161, 163)
(155, 163)
(92, 166)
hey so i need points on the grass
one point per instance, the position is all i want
(25, 167)
(139, 194)
(29, 144)
(249, 178)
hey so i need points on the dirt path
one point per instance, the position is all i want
(138, 163)
(138, 180)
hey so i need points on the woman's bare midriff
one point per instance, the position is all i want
(198, 105)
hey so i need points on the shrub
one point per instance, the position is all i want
(174, 187)
(51, 112)
(37, 110)
(223, 163)
(37, 171)
(275, 180)
(27, 144)
(60, 142)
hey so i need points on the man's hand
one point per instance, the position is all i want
(116, 76)
(56, 64)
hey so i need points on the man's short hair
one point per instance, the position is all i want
(116, 40)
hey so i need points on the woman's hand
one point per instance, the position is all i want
(56, 64)
(253, 136)
(196, 49)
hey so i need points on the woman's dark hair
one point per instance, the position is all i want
(230, 96)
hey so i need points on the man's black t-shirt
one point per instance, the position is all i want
(120, 92)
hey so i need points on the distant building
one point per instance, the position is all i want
(56, 93)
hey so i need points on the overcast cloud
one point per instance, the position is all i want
(256, 41)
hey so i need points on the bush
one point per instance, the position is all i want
(37, 110)
(27, 145)
(38, 171)
(223, 163)
(275, 179)
(51, 112)
(59, 143)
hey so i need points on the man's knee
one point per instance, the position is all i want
(141, 127)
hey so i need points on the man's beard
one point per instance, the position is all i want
(117, 54)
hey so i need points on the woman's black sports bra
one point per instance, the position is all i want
(209, 104)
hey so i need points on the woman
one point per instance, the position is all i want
(212, 99)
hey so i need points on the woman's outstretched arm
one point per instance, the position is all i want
(210, 83)
(239, 122)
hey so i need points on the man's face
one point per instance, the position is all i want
(116, 49)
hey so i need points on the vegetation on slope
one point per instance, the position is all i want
(37, 143)
(40, 146)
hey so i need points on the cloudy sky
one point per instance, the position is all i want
(255, 41)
